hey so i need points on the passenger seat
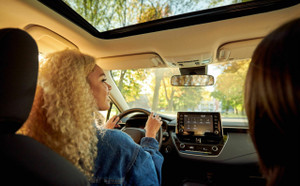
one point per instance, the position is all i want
(24, 160)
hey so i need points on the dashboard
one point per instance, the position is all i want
(200, 136)
(198, 149)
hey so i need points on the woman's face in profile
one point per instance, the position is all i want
(101, 89)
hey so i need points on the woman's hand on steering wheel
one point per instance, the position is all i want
(112, 122)
(153, 125)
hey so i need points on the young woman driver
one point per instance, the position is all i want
(72, 89)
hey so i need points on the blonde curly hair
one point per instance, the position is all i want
(62, 115)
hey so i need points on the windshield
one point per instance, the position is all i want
(151, 89)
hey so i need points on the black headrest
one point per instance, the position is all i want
(18, 78)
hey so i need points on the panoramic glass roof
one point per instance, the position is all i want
(107, 15)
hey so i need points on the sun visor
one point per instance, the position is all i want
(237, 50)
(47, 40)
(131, 61)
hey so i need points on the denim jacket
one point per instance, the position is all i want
(120, 161)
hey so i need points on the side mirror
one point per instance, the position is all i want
(192, 80)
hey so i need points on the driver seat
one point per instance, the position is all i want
(24, 160)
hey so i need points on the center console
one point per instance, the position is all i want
(199, 133)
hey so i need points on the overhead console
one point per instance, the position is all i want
(199, 133)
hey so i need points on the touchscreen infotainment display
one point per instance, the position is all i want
(199, 123)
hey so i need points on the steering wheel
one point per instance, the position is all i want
(136, 133)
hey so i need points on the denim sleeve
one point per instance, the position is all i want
(151, 145)
(120, 161)
(147, 167)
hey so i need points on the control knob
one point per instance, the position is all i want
(182, 145)
(216, 132)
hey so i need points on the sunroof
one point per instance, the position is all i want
(111, 19)
(105, 15)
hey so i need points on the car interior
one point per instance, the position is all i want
(185, 60)
(23, 157)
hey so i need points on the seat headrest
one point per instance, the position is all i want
(18, 78)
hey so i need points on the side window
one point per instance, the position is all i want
(111, 112)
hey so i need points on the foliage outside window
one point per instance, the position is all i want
(106, 15)
(151, 89)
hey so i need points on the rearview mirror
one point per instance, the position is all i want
(192, 80)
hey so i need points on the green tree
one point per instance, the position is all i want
(170, 98)
(157, 82)
(153, 11)
(126, 80)
(105, 14)
(228, 87)
(111, 14)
